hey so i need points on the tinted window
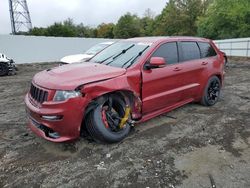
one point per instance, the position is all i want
(190, 50)
(206, 49)
(168, 51)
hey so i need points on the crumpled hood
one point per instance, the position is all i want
(68, 77)
(75, 58)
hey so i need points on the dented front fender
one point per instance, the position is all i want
(128, 85)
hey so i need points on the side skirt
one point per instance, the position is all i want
(164, 110)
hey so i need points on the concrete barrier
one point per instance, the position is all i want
(28, 49)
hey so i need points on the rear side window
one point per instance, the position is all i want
(190, 50)
(168, 51)
(206, 50)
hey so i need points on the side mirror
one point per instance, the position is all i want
(155, 62)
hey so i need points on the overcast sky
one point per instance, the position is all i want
(88, 12)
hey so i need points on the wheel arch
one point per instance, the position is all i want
(206, 81)
(218, 75)
(130, 98)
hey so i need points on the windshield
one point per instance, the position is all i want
(97, 48)
(121, 54)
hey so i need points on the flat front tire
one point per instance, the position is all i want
(102, 122)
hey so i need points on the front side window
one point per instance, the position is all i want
(206, 50)
(168, 51)
(190, 50)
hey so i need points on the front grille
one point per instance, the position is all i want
(38, 94)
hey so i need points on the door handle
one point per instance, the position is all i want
(204, 63)
(177, 69)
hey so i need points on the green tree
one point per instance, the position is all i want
(226, 19)
(90, 32)
(216, 19)
(105, 30)
(38, 31)
(60, 30)
(127, 26)
(169, 21)
(146, 23)
(179, 17)
(81, 30)
(64, 29)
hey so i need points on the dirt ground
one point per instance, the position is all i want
(193, 146)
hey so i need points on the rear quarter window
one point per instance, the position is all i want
(190, 50)
(206, 50)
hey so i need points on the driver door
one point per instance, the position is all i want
(161, 87)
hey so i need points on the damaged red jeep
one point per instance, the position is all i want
(129, 82)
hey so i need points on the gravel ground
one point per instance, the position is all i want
(193, 146)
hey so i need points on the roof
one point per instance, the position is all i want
(161, 38)
(148, 39)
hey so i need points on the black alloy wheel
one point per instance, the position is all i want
(212, 92)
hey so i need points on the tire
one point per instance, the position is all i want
(211, 92)
(99, 129)
(4, 69)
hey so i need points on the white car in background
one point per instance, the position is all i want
(7, 66)
(87, 55)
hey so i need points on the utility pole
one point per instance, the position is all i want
(19, 16)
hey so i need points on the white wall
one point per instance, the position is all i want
(28, 49)
(235, 47)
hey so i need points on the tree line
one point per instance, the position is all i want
(215, 19)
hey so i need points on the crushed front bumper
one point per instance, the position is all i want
(67, 127)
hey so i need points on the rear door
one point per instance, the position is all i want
(193, 67)
(161, 86)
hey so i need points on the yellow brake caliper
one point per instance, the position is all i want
(125, 118)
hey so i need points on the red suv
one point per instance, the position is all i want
(129, 82)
